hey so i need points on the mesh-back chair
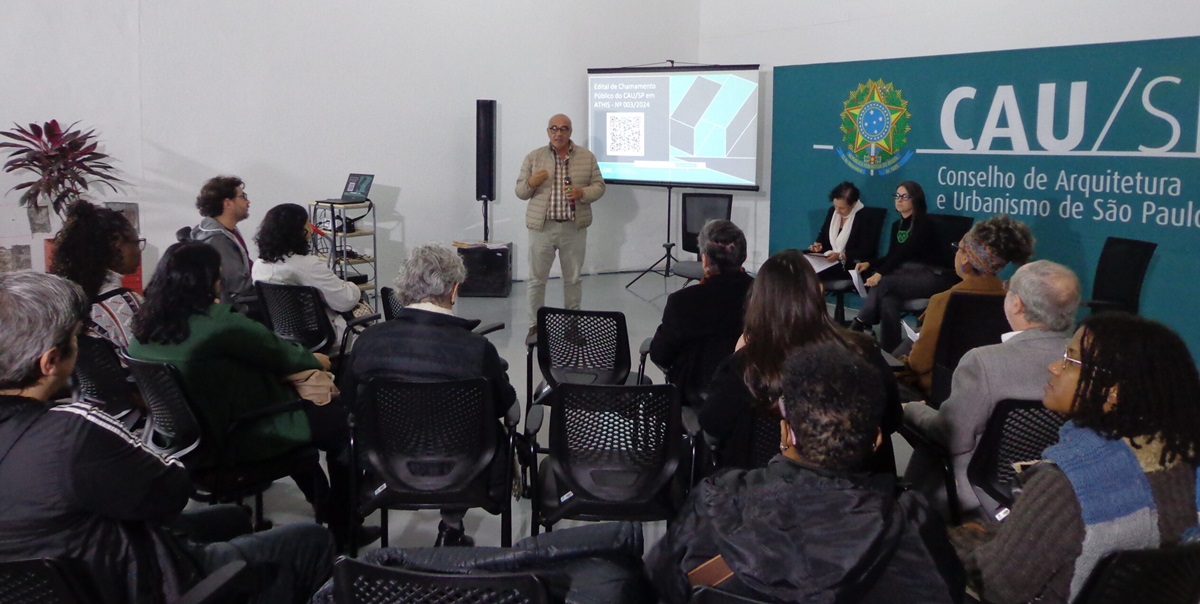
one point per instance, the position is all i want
(697, 210)
(101, 378)
(296, 313)
(615, 454)
(948, 230)
(871, 220)
(1170, 575)
(581, 347)
(390, 303)
(356, 582)
(433, 445)
(970, 321)
(172, 428)
(66, 581)
(1119, 275)
(1016, 431)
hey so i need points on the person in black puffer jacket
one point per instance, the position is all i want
(808, 528)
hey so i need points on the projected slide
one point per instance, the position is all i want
(695, 127)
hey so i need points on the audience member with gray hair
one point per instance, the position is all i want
(75, 484)
(1040, 305)
(701, 324)
(425, 342)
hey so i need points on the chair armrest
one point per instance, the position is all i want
(918, 440)
(691, 421)
(484, 329)
(363, 320)
(234, 581)
(643, 352)
(533, 420)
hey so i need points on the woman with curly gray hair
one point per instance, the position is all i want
(425, 342)
(986, 249)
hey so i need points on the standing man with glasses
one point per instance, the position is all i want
(560, 181)
(1040, 305)
(223, 204)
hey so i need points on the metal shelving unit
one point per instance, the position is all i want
(344, 223)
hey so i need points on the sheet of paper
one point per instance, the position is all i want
(910, 332)
(819, 263)
(858, 283)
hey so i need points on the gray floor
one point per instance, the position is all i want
(642, 304)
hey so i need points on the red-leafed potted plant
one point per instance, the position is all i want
(65, 162)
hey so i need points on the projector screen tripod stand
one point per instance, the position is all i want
(667, 256)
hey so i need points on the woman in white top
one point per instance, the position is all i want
(839, 239)
(283, 258)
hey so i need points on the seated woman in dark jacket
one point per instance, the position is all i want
(785, 311)
(701, 324)
(426, 342)
(841, 238)
(810, 527)
(909, 270)
(232, 365)
(1122, 476)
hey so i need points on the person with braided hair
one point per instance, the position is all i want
(1122, 475)
(95, 249)
(987, 248)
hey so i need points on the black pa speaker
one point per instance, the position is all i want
(485, 150)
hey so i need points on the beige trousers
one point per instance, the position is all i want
(569, 243)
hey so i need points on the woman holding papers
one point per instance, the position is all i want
(909, 270)
(841, 239)
(986, 249)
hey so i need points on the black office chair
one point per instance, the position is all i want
(172, 428)
(949, 230)
(432, 445)
(101, 379)
(356, 582)
(615, 453)
(871, 220)
(390, 303)
(578, 347)
(296, 313)
(970, 321)
(65, 581)
(697, 209)
(1169, 575)
(1016, 431)
(1119, 275)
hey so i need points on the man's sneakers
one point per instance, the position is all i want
(449, 536)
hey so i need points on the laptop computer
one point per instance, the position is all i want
(358, 186)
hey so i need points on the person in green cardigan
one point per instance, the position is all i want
(232, 365)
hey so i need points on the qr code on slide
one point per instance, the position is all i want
(626, 134)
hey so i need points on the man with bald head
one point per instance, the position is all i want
(560, 180)
(1040, 304)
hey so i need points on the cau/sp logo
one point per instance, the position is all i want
(875, 129)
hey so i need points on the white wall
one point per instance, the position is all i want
(799, 32)
(292, 96)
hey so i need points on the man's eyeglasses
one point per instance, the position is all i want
(557, 129)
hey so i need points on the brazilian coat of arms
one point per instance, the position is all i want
(875, 129)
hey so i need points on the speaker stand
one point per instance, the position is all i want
(487, 231)
(667, 255)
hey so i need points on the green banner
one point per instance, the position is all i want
(1081, 143)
